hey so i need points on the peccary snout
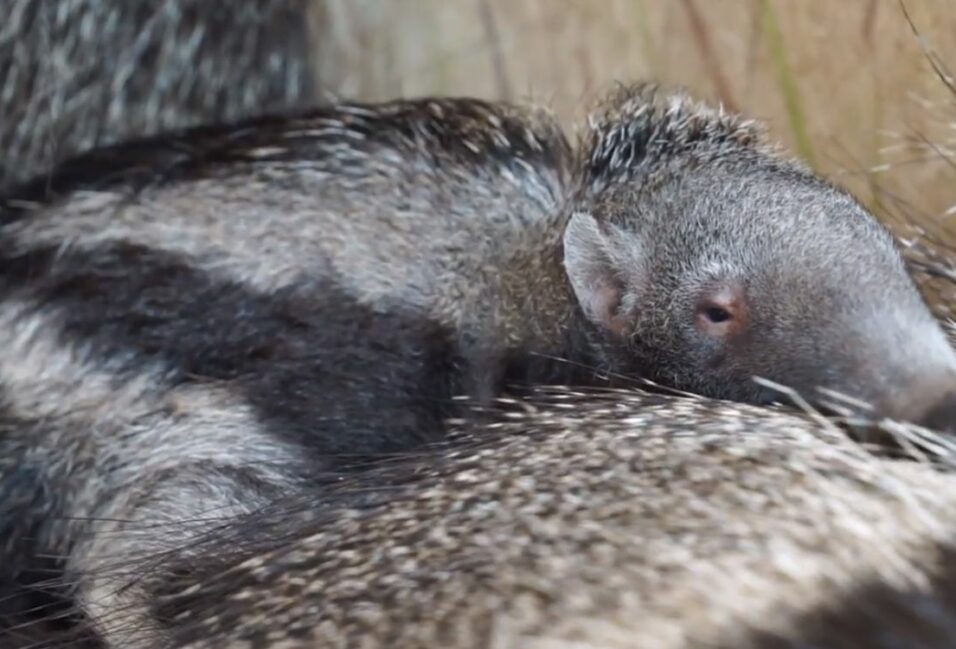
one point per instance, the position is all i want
(905, 366)
(928, 398)
(715, 262)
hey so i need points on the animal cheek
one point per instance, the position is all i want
(717, 359)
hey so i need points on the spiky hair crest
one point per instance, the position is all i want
(636, 128)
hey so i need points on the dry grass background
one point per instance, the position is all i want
(845, 84)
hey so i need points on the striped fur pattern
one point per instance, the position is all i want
(205, 326)
(606, 254)
(75, 74)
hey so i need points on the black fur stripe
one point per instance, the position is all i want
(320, 369)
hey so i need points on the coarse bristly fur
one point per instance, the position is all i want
(674, 243)
(75, 74)
(179, 311)
(135, 416)
(688, 207)
(612, 520)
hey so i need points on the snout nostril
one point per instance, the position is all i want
(942, 416)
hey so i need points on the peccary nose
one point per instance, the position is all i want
(942, 415)
(927, 399)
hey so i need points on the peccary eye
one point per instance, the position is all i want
(717, 314)
(722, 312)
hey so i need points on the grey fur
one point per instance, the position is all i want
(709, 204)
(480, 216)
(174, 309)
(121, 436)
(75, 74)
(585, 520)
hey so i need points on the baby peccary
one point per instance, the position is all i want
(619, 521)
(675, 243)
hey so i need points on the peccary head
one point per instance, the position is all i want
(705, 258)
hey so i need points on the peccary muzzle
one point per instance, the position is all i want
(705, 259)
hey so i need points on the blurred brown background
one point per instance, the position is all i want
(845, 84)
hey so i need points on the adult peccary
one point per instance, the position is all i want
(619, 520)
(673, 243)
(75, 74)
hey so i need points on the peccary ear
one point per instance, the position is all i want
(589, 261)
